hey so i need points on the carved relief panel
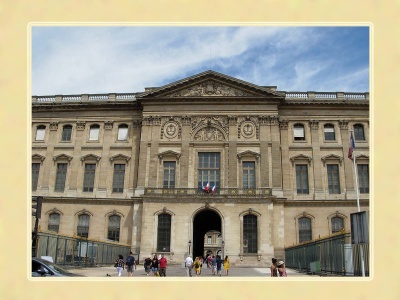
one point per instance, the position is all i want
(170, 129)
(248, 128)
(210, 129)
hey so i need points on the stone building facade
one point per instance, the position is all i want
(159, 169)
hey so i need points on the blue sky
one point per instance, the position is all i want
(121, 59)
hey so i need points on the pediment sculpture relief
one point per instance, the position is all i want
(209, 134)
(210, 88)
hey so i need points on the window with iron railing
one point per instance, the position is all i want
(169, 174)
(305, 233)
(54, 222)
(337, 224)
(209, 169)
(249, 178)
(83, 225)
(114, 222)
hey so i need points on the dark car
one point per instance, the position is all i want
(44, 268)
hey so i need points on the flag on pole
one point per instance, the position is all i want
(352, 146)
(213, 189)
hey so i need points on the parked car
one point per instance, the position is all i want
(44, 268)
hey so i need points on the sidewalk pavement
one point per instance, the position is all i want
(179, 271)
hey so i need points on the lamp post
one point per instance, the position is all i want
(189, 243)
(223, 249)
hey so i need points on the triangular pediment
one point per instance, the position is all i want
(210, 84)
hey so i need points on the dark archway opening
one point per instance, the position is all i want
(203, 222)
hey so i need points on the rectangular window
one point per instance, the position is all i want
(119, 177)
(333, 179)
(123, 133)
(164, 233)
(302, 179)
(209, 240)
(363, 178)
(209, 169)
(40, 131)
(61, 177)
(329, 132)
(250, 244)
(88, 181)
(305, 233)
(169, 174)
(35, 176)
(54, 222)
(249, 181)
(94, 133)
(66, 133)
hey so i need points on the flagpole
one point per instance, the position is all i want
(358, 205)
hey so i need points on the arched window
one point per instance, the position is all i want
(305, 233)
(337, 224)
(83, 225)
(114, 222)
(54, 222)
(40, 131)
(123, 132)
(298, 132)
(250, 234)
(329, 132)
(66, 133)
(94, 132)
(359, 132)
(164, 233)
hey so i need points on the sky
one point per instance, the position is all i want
(73, 60)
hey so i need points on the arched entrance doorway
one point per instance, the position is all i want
(204, 221)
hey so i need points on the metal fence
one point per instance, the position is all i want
(334, 255)
(69, 251)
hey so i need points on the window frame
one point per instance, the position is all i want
(359, 132)
(303, 190)
(89, 177)
(82, 225)
(119, 130)
(205, 171)
(114, 232)
(332, 188)
(65, 135)
(164, 230)
(301, 231)
(60, 175)
(329, 126)
(57, 225)
(93, 127)
(250, 247)
(120, 188)
(170, 171)
(333, 229)
(299, 138)
(42, 129)
(248, 172)
(363, 181)
(35, 176)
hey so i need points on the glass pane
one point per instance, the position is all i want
(40, 134)
(122, 133)
(94, 133)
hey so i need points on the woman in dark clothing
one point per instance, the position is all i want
(154, 265)
(119, 264)
(147, 264)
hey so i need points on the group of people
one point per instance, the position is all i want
(214, 263)
(278, 268)
(158, 265)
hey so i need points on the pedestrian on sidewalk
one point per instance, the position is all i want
(226, 265)
(197, 266)
(214, 265)
(130, 264)
(163, 266)
(219, 265)
(147, 264)
(282, 269)
(154, 265)
(119, 264)
(189, 265)
(274, 270)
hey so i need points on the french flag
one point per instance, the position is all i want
(206, 188)
(213, 189)
(352, 146)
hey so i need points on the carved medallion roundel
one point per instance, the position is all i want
(248, 129)
(170, 130)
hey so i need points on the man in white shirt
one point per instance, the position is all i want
(189, 266)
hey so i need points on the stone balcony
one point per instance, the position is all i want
(218, 192)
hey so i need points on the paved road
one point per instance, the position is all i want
(179, 271)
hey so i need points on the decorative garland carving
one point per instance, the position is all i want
(283, 124)
(186, 120)
(108, 125)
(80, 125)
(202, 121)
(151, 120)
(209, 134)
(343, 124)
(314, 124)
(210, 88)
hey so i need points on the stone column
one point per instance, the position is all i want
(142, 163)
(348, 163)
(184, 164)
(49, 169)
(286, 165)
(104, 164)
(317, 169)
(76, 162)
(233, 161)
(265, 138)
(276, 158)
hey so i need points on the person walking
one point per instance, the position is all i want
(130, 264)
(213, 265)
(226, 265)
(189, 265)
(163, 266)
(282, 269)
(219, 265)
(197, 266)
(209, 261)
(119, 264)
(154, 265)
(274, 270)
(147, 265)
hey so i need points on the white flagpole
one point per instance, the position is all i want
(358, 205)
